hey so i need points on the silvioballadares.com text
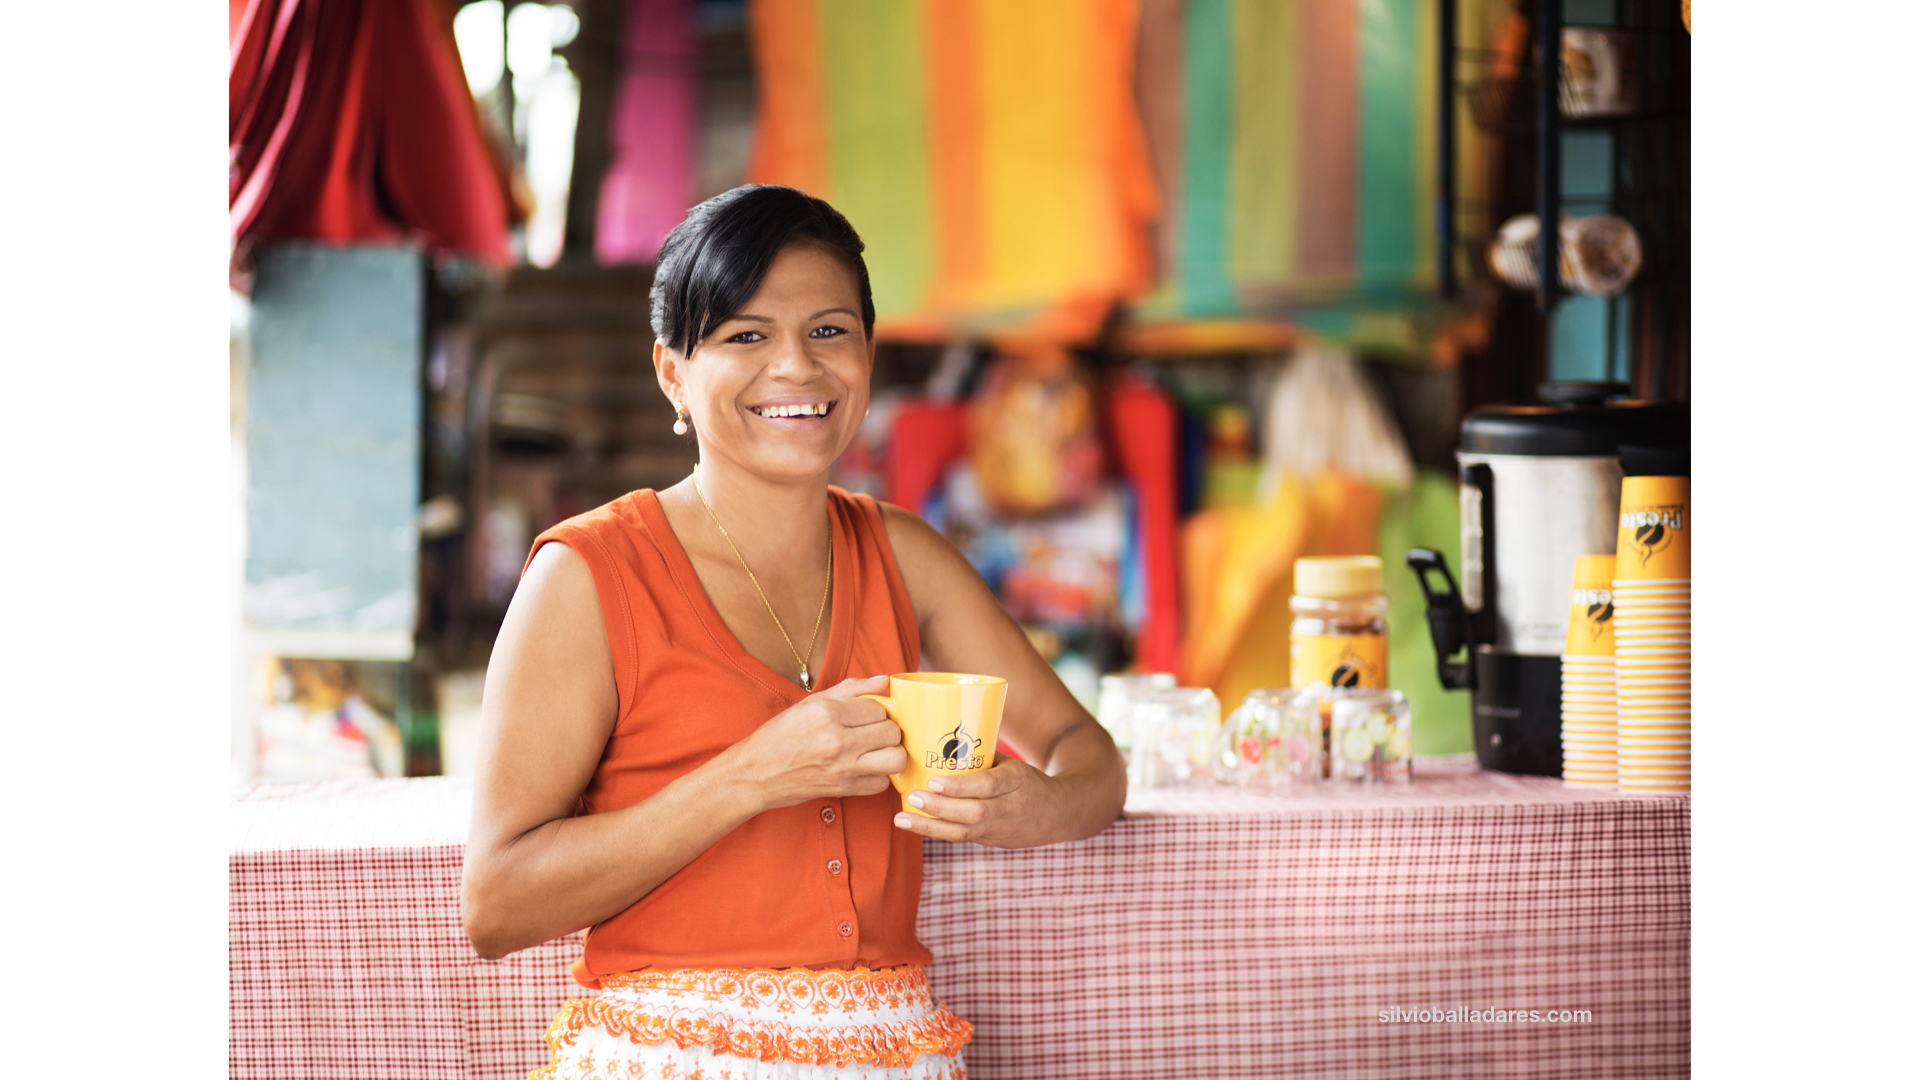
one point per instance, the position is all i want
(1397, 1015)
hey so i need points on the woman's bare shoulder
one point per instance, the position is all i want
(553, 643)
(914, 541)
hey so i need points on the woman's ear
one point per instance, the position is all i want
(666, 368)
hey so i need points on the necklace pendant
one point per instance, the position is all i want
(806, 680)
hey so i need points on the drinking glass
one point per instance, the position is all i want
(1371, 736)
(1175, 732)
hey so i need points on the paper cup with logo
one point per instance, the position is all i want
(1590, 622)
(949, 724)
(1656, 523)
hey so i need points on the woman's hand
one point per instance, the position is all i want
(833, 744)
(1013, 804)
(1076, 783)
(1010, 805)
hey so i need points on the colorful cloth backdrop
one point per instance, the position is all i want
(989, 152)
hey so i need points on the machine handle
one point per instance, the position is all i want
(1446, 619)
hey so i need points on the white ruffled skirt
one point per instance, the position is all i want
(761, 1024)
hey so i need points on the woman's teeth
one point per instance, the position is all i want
(817, 409)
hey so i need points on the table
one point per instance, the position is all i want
(1210, 933)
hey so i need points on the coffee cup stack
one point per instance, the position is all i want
(1653, 635)
(1589, 720)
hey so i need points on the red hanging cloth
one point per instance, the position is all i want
(350, 121)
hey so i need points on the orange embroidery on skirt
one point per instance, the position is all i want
(894, 1043)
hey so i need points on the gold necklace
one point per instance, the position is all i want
(806, 677)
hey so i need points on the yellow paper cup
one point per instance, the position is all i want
(1590, 622)
(949, 725)
(1656, 529)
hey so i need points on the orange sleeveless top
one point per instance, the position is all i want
(825, 884)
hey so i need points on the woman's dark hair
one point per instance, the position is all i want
(713, 262)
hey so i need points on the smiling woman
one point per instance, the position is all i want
(656, 766)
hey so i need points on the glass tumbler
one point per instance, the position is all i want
(1117, 696)
(1272, 741)
(1371, 737)
(1175, 733)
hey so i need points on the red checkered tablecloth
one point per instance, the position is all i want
(1210, 933)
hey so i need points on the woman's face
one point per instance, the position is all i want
(780, 388)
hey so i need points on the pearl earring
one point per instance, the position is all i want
(679, 420)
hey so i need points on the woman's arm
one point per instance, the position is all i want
(1081, 782)
(534, 871)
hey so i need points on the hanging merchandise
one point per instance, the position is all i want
(1033, 439)
(1599, 254)
(1322, 414)
(988, 151)
(650, 182)
(351, 122)
(1141, 429)
(1061, 571)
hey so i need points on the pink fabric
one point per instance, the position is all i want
(1213, 933)
(650, 184)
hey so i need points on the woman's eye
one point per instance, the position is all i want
(828, 331)
(746, 337)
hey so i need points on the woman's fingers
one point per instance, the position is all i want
(1004, 777)
(962, 811)
(871, 737)
(885, 761)
(853, 688)
(869, 785)
(934, 827)
(862, 713)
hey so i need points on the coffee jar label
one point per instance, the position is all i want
(1341, 661)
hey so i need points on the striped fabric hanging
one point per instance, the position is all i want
(989, 151)
(1299, 163)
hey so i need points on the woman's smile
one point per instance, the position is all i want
(801, 414)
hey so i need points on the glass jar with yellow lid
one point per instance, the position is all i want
(1339, 635)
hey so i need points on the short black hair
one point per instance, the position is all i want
(713, 262)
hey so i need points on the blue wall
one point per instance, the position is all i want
(333, 438)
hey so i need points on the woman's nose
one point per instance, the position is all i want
(793, 359)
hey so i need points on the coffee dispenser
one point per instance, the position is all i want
(1539, 485)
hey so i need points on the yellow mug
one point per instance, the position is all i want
(949, 724)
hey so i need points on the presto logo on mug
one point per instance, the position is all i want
(949, 723)
(956, 751)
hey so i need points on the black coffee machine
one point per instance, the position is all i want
(1539, 485)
